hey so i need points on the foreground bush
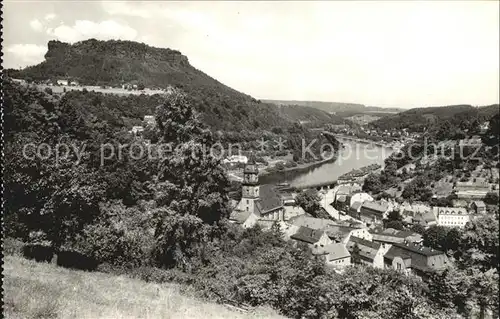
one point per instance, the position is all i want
(76, 260)
(38, 252)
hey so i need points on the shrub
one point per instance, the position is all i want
(76, 260)
(48, 91)
(115, 245)
(13, 247)
(38, 252)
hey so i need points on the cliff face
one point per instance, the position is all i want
(118, 49)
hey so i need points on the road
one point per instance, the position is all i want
(326, 198)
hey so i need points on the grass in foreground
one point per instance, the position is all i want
(41, 290)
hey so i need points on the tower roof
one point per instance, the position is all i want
(251, 165)
(251, 159)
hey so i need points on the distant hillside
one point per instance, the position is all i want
(113, 63)
(420, 118)
(337, 107)
(309, 116)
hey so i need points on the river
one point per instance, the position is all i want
(353, 156)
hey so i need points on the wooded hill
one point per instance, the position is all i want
(339, 108)
(419, 119)
(113, 63)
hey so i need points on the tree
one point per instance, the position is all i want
(395, 224)
(140, 86)
(479, 243)
(355, 257)
(190, 188)
(435, 237)
(309, 201)
(394, 215)
(451, 289)
(419, 229)
(491, 198)
(372, 184)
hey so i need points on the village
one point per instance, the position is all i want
(354, 231)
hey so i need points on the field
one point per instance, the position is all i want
(41, 290)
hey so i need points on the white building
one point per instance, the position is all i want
(451, 216)
(236, 159)
(137, 129)
(62, 82)
(360, 197)
(149, 120)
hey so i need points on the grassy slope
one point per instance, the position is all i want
(41, 290)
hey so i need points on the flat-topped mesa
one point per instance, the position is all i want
(117, 48)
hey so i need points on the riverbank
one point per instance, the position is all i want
(390, 145)
(327, 172)
(299, 168)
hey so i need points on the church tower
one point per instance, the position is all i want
(250, 185)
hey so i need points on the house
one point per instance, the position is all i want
(233, 159)
(335, 254)
(413, 209)
(290, 206)
(426, 219)
(473, 189)
(342, 233)
(149, 120)
(261, 200)
(393, 236)
(355, 208)
(74, 83)
(62, 82)
(372, 212)
(311, 222)
(246, 219)
(484, 127)
(478, 206)
(341, 197)
(451, 216)
(20, 81)
(137, 129)
(313, 237)
(459, 203)
(360, 197)
(370, 252)
(416, 259)
(269, 206)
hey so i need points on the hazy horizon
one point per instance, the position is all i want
(386, 54)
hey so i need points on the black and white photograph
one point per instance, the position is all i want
(250, 159)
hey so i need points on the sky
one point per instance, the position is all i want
(390, 54)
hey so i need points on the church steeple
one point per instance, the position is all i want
(250, 179)
(251, 166)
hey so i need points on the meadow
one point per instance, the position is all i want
(43, 290)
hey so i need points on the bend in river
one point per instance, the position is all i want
(353, 156)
